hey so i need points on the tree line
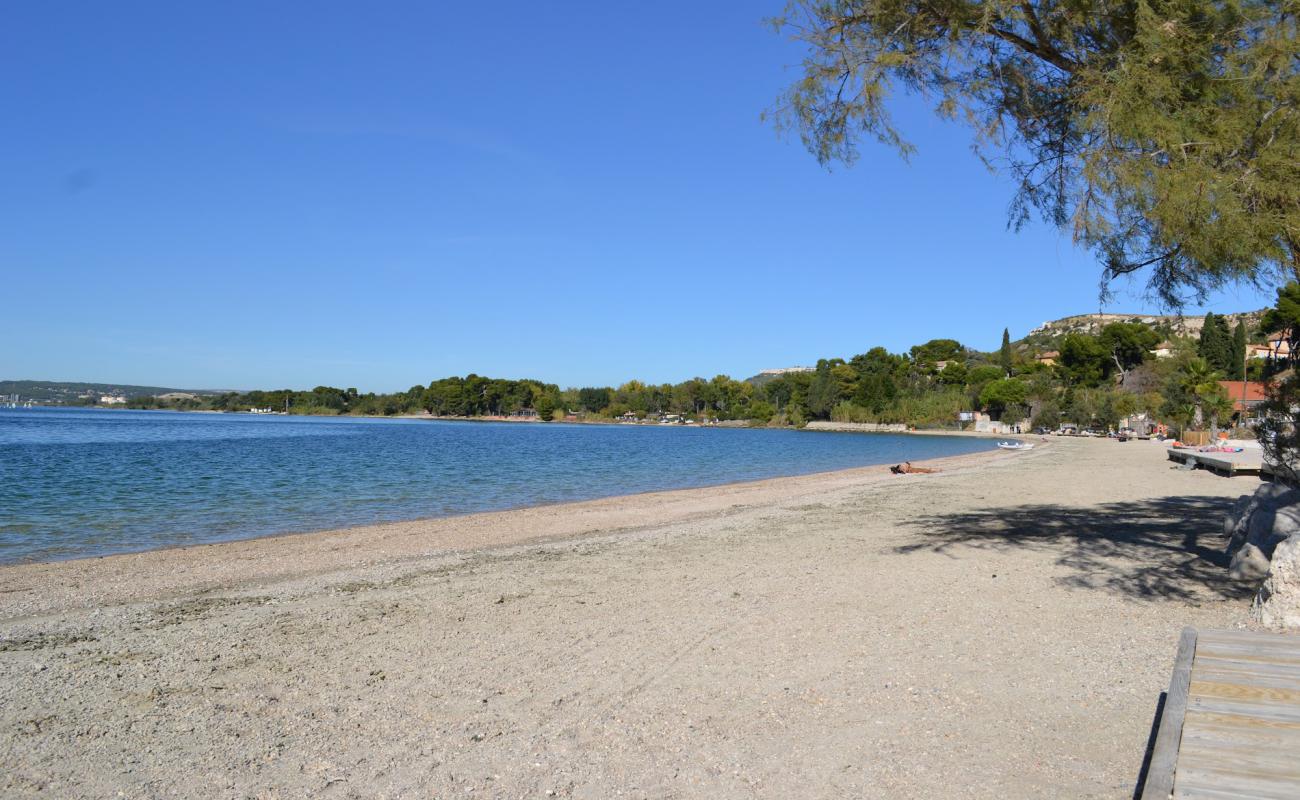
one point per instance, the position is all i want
(1089, 380)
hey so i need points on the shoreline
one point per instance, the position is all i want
(822, 426)
(1010, 620)
(398, 540)
(327, 528)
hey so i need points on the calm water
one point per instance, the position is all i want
(89, 482)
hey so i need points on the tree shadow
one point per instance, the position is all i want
(1170, 547)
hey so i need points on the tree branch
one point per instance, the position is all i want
(1048, 54)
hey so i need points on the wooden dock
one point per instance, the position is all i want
(1231, 721)
(1249, 462)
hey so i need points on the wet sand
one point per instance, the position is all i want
(1001, 629)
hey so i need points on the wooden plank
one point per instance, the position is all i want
(1211, 718)
(1246, 670)
(1200, 734)
(1164, 753)
(1233, 769)
(1260, 638)
(1227, 634)
(1231, 725)
(1218, 705)
(1222, 758)
(1197, 783)
(1230, 648)
(1259, 678)
(1248, 659)
(1244, 692)
(1263, 653)
(1270, 646)
(1217, 462)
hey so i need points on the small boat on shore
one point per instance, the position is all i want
(1015, 446)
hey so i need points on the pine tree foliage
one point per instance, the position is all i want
(1238, 370)
(1279, 426)
(1283, 319)
(1216, 345)
(1164, 133)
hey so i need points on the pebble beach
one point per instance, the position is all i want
(1002, 628)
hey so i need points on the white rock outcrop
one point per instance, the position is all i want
(1269, 527)
(1261, 520)
(1248, 564)
(1277, 604)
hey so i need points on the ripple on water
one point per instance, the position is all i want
(83, 482)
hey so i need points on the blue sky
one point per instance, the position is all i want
(375, 195)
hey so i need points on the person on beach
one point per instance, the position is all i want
(906, 468)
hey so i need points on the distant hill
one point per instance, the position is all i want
(1049, 333)
(769, 375)
(63, 393)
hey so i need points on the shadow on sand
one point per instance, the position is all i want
(1170, 547)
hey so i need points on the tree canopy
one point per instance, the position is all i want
(1129, 344)
(1284, 316)
(1084, 360)
(1164, 133)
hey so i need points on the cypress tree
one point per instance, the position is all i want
(1223, 338)
(1239, 350)
(1005, 355)
(1216, 344)
(1206, 343)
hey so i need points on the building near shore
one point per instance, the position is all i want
(1246, 396)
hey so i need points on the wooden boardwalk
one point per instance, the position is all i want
(1249, 462)
(1231, 722)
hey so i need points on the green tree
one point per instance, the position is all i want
(1215, 344)
(925, 355)
(1003, 395)
(874, 391)
(545, 408)
(1239, 350)
(1004, 355)
(1049, 417)
(594, 399)
(1193, 386)
(1129, 344)
(823, 393)
(1284, 317)
(1218, 407)
(1163, 132)
(1085, 361)
(955, 374)
(760, 412)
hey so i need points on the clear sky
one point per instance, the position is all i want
(250, 194)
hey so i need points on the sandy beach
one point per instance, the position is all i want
(1001, 629)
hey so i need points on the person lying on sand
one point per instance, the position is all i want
(906, 468)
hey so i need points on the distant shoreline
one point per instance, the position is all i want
(816, 426)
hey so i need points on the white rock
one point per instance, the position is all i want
(1257, 511)
(1248, 564)
(1269, 526)
(1234, 516)
(1277, 604)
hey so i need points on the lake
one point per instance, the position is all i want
(90, 482)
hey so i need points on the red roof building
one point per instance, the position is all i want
(1256, 393)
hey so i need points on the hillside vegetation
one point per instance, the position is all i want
(1088, 370)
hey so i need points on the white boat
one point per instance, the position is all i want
(1015, 446)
